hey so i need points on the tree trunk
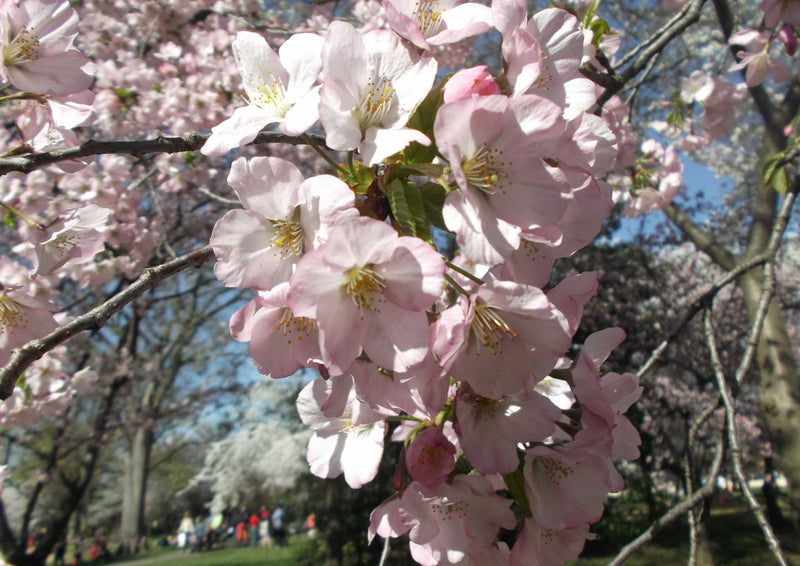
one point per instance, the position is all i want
(135, 489)
(780, 387)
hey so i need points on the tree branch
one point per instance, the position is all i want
(733, 441)
(701, 239)
(652, 47)
(677, 511)
(95, 318)
(189, 142)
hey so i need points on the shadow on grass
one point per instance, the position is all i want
(734, 536)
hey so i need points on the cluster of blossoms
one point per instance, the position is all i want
(467, 352)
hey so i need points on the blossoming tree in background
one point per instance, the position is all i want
(345, 254)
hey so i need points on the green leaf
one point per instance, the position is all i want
(780, 181)
(359, 179)
(515, 482)
(433, 196)
(599, 28)
(407, 207)
(10, 220)
(587, 19)
(422, 119)
(675, 119)
(775, 176)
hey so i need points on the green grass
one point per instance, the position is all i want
(734, 538)
(258, 556)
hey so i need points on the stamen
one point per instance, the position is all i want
(375, 102)
(546, 75)
(63, 244)
(448, 510)
(428, 16)
(271, 95)
(11, 316)
(22, 49)
(365, 287)
(486, 170)
(288, 238)
(295, 326)
(555, 469)
(490, 329)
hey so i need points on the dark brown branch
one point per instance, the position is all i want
(95, 318)
(189, 142)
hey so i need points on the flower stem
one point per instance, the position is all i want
(28, 220)
(465, 273)
(455, 285)
(22, 96)
(310, 141)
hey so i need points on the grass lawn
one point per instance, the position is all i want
(734, 538)
(286, 556)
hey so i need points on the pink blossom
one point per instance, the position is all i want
(454, 521)
(38, 52)
(22, 318)
(368, 288)
(565, 488)
(350, 442)
(544, 55)
(496, 148)
(539, 546)
(435, 23)
(787, 11)
(491, 429)
(284, 216)
(469, 82)
(756, 60)
(504, 336)
(372, 86)
(280, 343)
(667, 171)
(430, 457)
(280, 89)
(75, 237)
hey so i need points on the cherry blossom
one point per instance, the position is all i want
(350, 442)
(74, 237)
(260, 246)
(280, 343)
(38, 54)
(430, 457)
(436, 22)
(22, 318)
(372, 86)
(280, 89)
(368, 288)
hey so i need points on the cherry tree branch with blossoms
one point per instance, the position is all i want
(97, 317)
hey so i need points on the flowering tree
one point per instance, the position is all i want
(501, 428)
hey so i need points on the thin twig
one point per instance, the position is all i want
(23, 356)
(675, 513)
(697, 305)
(216, 197)
(384, 552)
(733, 441)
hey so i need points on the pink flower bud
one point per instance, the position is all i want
(788, 38)
(429, 458)
(467, 82)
